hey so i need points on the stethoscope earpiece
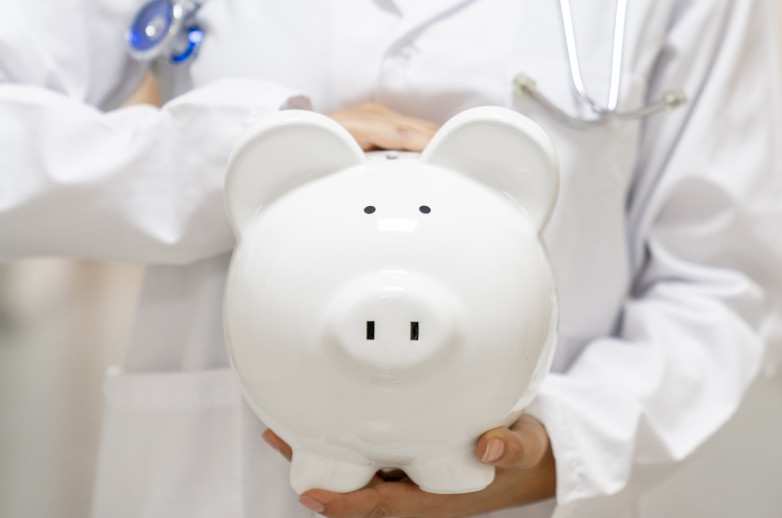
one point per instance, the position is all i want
(194, 38)
(165, 28)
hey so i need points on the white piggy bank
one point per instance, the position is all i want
(385, 310)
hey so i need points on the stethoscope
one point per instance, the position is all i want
(526, 87)
(167, 28)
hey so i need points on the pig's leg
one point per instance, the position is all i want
(311, 471)
(457, 473)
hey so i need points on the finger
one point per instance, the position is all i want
(523, 445)
(277, 444)
(403, 136)
(377, 127)
(391, 499)
(397, 131)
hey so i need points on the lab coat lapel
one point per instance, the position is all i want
(416, 14)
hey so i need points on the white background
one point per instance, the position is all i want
(62, 322)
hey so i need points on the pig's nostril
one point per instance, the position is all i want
(413, 330)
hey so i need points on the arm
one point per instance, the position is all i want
(138, 183)
(704, 217)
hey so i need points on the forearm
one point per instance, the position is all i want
(137, 184)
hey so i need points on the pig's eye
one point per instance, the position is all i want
(424, 209)
(369, 209)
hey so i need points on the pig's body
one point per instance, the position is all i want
(385, 315)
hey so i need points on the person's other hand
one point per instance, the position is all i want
(525, 474)
(376, 127)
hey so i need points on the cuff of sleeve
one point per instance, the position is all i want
(548, 409)
(590, 480)
(252, 97)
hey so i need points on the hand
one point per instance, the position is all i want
(525, 474)
(376, 127)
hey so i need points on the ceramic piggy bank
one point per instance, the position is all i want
(385, 310)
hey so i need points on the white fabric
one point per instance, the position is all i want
(665, 241)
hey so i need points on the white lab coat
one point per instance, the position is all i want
(665, 242)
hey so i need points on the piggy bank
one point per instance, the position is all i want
(385, 310)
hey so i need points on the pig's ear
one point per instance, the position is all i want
(281, 152)
(504, 150)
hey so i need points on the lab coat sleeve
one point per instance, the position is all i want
(139, 183)
(705, 225)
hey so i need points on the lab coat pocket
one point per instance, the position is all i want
(171, 445)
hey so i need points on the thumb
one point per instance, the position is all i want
(522, 446)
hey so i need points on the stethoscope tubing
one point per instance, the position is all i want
(526, 86)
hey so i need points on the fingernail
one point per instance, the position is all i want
(494, 450)
(311, 504)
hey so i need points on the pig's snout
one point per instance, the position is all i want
(394, 321)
